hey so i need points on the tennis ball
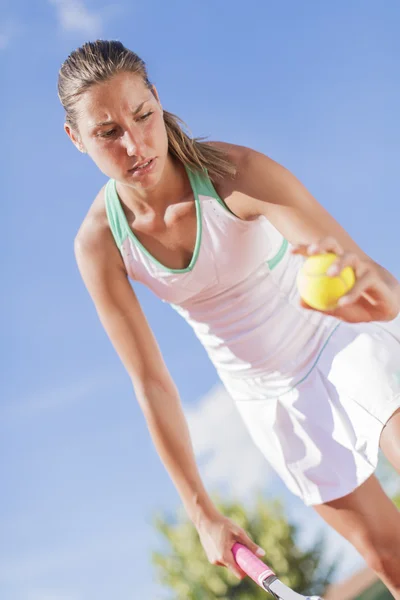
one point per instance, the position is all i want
(319, 290)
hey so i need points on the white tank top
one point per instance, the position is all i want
(238, 293)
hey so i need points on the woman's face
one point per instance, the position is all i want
(121, 127)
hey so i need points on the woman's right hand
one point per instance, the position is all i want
(218, 534)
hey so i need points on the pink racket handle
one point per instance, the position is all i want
(250, 564)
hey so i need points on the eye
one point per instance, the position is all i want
(108, 134)
(146, 116)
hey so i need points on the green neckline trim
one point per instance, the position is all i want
(273, 262)
(208, 189)
(194, 182)
(116, 216)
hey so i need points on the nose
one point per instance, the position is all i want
(132, 143)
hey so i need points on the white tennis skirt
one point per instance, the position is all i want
(322, 437)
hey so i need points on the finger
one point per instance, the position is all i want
(327, 244)
(299, 249)
(246, 540)
(237, 571)
(368, 282)
(322, 246)
(350, 259)
(304, 304)
(306, 249)
(231, 564)
(347, 259)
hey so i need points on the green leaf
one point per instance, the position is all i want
(181, 565)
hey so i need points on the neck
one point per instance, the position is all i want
(172, 187)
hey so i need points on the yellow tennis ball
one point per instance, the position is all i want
(319, 290)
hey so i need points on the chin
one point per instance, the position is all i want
(149, 182)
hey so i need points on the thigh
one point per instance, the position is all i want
(370, 521)
(367, 512)
(390, 440)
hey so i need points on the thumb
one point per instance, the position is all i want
(248, 542)
(304, 304)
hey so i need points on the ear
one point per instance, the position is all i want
(74, 137)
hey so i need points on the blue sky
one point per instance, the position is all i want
(314, 85)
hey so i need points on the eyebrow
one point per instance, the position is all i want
(135, 112)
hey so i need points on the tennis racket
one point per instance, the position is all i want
(264, 576)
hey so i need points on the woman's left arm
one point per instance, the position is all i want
(263, 187)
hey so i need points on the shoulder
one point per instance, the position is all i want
(94, 239)
(243, 156)
(252, 167)
(255, 179)
(235, 153)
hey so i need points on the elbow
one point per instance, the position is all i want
(150, 388)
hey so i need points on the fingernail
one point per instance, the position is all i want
(260, 552)
(312, 249)
(332, 271)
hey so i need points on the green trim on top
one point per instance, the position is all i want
(273, 262)
(120, 226)
(208, 189)
(317, 358)
(116, 216)
(311, 369)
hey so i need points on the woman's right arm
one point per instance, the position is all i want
(104, 275)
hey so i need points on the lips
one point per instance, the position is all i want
(142, 165)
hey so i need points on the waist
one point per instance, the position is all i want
(281, 355)
(278, 342)
(267, 383)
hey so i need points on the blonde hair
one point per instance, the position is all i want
(98, 61)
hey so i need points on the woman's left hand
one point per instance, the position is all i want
(375, 295)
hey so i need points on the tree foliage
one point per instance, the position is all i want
(182, 566)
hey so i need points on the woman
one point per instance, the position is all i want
(219, 231)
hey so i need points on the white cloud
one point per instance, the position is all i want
(226, 453)
(56, 397)
(9, 29)
(66, 558)
(73, 15)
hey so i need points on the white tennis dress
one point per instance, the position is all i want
(313, 392)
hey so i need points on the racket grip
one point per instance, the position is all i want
(251, 565)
